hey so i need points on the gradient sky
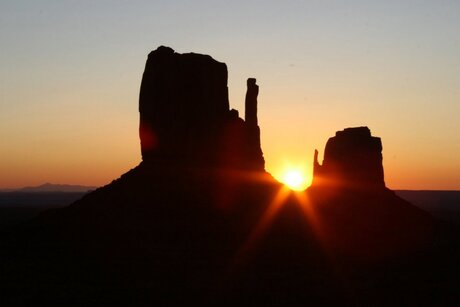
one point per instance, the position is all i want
(71, 70)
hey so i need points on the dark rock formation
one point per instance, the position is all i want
(251, 102)
(353, 159)
(185, 116)
(359, 215)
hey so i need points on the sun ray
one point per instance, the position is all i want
(262, 226)
(310, 213)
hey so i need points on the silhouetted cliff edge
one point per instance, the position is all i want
(199, 221)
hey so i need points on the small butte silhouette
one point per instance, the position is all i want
(200, 221)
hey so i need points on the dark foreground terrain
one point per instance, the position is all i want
(20, 207)
(444, 205)
(266, 248)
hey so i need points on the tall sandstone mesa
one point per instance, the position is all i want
(185, 117)
(352, 159)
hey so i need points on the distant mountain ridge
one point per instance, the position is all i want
(52, 187)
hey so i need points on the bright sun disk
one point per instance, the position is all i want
(294, 179)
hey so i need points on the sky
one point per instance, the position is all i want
(70, 74)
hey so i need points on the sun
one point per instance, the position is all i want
(295, 179)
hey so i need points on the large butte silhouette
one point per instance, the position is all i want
(199, 220)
